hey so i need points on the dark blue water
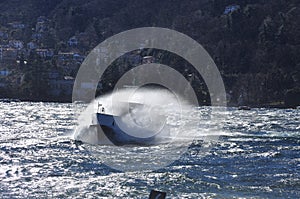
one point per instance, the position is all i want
(256, 156)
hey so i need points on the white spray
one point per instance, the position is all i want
(156, 112)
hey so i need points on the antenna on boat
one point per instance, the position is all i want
(99, 105)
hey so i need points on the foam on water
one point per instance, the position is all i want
(254, 159)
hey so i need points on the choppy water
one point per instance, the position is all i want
(257, 156)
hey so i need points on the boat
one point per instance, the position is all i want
(113, 128)
(116, 135)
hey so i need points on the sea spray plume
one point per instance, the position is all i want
(155, 112)
(147, 116)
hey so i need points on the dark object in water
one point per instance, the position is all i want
(157, 195)
(247, 108)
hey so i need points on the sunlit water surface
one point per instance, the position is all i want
(256, 156)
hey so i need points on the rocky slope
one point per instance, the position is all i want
(256, 46)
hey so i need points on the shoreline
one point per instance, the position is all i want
(68, 101)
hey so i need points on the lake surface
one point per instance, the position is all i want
(256, 156)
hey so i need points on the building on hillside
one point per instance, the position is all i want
(41, 24)
(17, 44)
(45, 53)
(42, 19)
(73, 41)
(31, 45)
(77, 57)
(231, 8)
(63, 56)
(36, 36)
(17, 25)
(4, 72)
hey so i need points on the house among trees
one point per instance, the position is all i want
(62, 56)
(79, 58)
(231, 8)
(36, 36)
(17, 25)
(31, 45)
(45, 53)
(41, 24)
(4, 72)
(73, 41)
(17, 44)
(42, 19)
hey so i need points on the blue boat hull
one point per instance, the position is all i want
(115, 134)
